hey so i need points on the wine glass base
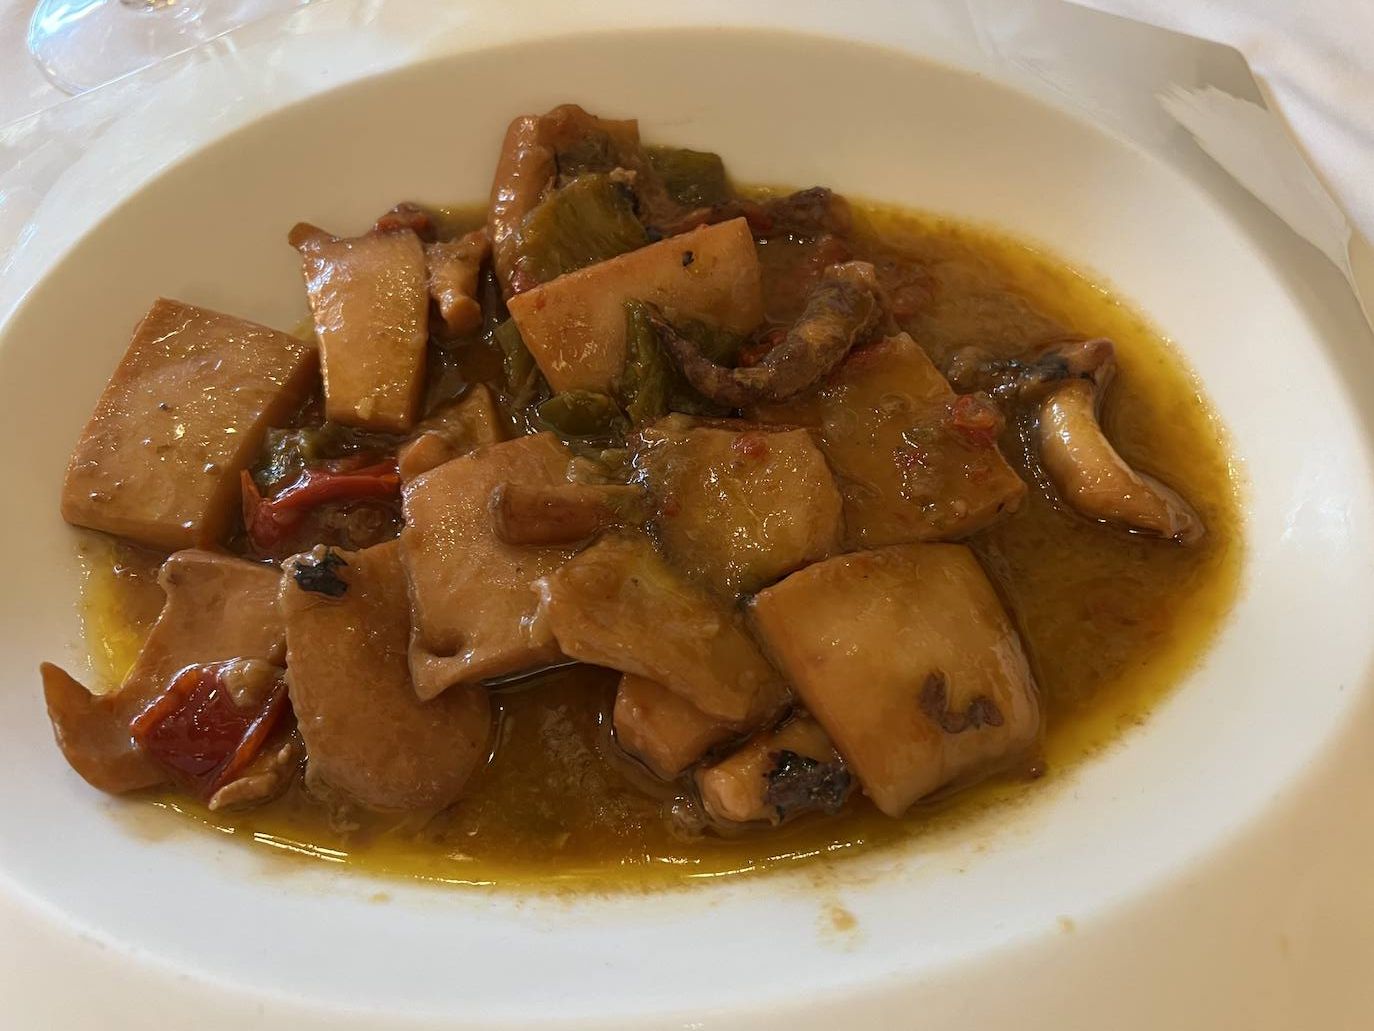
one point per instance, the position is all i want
(82, 44)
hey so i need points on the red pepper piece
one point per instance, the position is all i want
(269, 520)
(196, 732)
(316, 486)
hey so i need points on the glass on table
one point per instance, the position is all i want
(81, 44)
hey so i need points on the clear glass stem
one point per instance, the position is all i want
(81, 44)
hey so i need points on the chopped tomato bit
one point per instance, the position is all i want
(316, 486)
(976, 419)
(269, 520)
(196, 732)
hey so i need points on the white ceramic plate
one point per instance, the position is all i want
(1116, 900)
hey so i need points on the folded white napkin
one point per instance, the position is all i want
(1315, 62)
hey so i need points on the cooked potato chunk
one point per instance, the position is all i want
(909, 662)
(914, 461)
(370, 299)
(454, 430)
(575, 325)
(618, 604)
(739, 506)
(470, 592)
(776, 776)
(187, 409)
(661, 729)
(217, 608)
(367, 735)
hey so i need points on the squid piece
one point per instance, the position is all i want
(407, 215)
(524, 172)
(465, 425)
(777, 776)
(186, 410)
(563, 513)
(906, 658)
(575, 325)
(663, 730)
(94, 736)
(454, 267)
(265, 778)
(619, 605)
(541, 153)
(369, 296)
(842, 309)
(1013, 379)
(1096, 481)
(808, 214)
(367, 736)
(218, 608)
(461, 634)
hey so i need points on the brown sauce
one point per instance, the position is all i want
(1111, 621)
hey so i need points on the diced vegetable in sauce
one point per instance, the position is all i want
(605, 541)
(587, 221)
(738, 505)
(289, 453)
(650, 385)
(648, 378)
(268, 521)
(693, 178)
(914, 461)
(524, 381)
(583, 414)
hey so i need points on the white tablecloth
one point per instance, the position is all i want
(1314, 57)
